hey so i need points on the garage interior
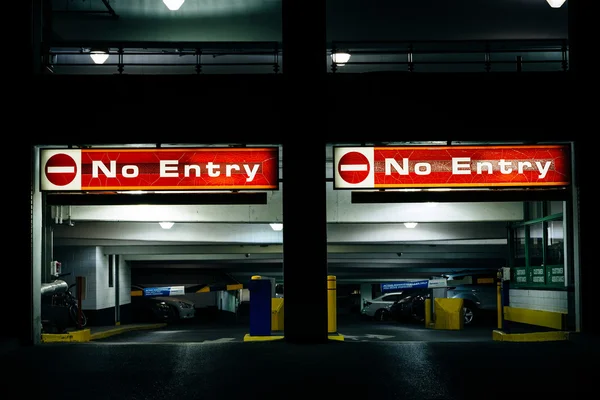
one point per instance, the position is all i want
(219, 239)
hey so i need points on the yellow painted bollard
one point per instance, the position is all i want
(427, 313)
(499, 303)
(331, 304)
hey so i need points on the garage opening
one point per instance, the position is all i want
(160, 240)
(431, 241)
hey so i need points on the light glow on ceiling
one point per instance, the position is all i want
(173, 5)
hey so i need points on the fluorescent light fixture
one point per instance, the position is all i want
(173, 5)
(340, 58)
(99, 56)
(556, 3)
(166, 225)
(276, 226)
(410, 225)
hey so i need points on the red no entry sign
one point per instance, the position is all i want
(451, 166)
(123, 169)
(61, 169)
(354, 167)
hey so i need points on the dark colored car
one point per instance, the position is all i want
(410, 307)
(149, 309)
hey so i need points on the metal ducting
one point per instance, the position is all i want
(55, 287)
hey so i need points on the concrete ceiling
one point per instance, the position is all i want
(347, 20)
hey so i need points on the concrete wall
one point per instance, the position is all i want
(227, 301)
(545, 300)
(124, 281)
(92, 263)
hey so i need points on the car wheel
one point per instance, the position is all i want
(469, 313)
(381, 315)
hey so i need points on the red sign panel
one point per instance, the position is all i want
(451, 166)
(159, 169)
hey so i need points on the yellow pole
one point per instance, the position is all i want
(499, 300)
(427, 312)
(331, 304)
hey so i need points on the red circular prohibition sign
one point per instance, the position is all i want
(354, 167)
(60, 169)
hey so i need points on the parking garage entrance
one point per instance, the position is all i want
(171, 239)
(489, 227)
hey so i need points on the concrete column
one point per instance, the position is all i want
(305, 226)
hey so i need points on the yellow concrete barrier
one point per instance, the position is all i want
(449, 314)
(277, 314)
(82, 335)
(554, 336)
(548, 319)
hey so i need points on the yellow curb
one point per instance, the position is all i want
(530, 337)
(336, 336)
(248, 338)
(122, 329)
(68, 337)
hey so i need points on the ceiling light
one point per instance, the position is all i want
(99, 56)
(276, 226)
(556, 3)
(173, 5)
(410, 224)
(340, 58)
(166, 225)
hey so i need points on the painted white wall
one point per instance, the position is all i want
(104, 295)
(91, 263)
(544, 300)
(81, 261)
(227, 301)
(365, 293)
(124, 281)
(244, 295)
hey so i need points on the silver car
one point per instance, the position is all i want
(477, 299)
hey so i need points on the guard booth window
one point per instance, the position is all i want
(537, 246)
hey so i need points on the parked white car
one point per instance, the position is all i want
(181, 308)
(378, 308)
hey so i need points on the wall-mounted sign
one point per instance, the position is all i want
(165, 291)
(418, 284)
(156, 169)
(451, 166)
(393, 286)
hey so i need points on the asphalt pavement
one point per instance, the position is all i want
(389, 360)
(352, 329)
(280, 370)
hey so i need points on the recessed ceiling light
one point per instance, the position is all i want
(166, 225)
(276, 226)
